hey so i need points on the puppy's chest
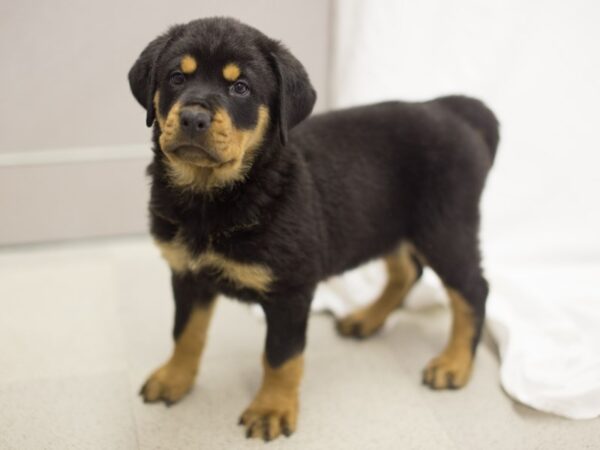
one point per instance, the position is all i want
(215, 264)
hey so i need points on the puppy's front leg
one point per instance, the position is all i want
(274, 410)
(194, 304)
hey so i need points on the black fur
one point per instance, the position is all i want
(187, 291)
(323, 195)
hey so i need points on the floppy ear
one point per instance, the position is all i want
(142, 76)
(296, 95)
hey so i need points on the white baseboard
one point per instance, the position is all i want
(64, 194)
(74, 155)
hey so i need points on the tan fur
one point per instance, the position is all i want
(169, 127)
(274, 410)
(254, 276)
(175, 378)
(234, 145)
(237, 146)
(188, 64)
(176, 255)
(231, 72)
(160, 118)
(452, 368)
(401, 276)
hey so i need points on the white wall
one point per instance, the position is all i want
(73, 141)
(536, 63)
(65, 62)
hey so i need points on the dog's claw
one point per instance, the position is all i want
(285, 429)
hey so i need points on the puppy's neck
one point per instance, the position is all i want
(240, 205)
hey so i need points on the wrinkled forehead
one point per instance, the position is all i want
(216, 57)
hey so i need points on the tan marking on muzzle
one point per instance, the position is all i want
(169, 128)
(234, 145)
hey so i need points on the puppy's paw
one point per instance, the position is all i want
(360, 324)
(267, 419)
(168, 383)
(448, 371)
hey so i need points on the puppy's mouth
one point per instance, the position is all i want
(200, 156)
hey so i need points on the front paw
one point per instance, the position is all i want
(267, 418)
(168, 383)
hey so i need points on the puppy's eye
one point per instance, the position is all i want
(177, 78)
(240, 88)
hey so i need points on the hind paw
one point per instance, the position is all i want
(359, 325)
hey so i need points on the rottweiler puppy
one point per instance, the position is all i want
(251, 199)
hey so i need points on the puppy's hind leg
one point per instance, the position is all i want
(457, 262)
(403, 270)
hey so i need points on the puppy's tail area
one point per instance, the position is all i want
(478, 116)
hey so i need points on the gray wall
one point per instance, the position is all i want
(73, 140)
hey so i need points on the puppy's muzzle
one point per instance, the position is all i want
(194, 123)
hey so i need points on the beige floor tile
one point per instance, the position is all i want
(344, 403)
(59, 318)
(87, 412)
(83, 325)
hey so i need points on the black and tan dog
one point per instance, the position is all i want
(251, 200)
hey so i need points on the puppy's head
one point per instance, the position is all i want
(218, 91)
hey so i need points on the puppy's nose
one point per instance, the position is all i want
(194, 120)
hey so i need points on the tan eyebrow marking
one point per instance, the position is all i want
(188, 64)
(231, 72)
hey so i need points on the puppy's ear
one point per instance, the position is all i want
(296, 96)
(142, 76)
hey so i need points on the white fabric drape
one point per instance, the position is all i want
(537, 65)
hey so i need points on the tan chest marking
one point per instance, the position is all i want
(254, 276)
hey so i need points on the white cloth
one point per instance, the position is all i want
(343, 294)
(537, 65)
(546, 321)
(548, 333)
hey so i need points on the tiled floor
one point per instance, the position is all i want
(83, 324)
